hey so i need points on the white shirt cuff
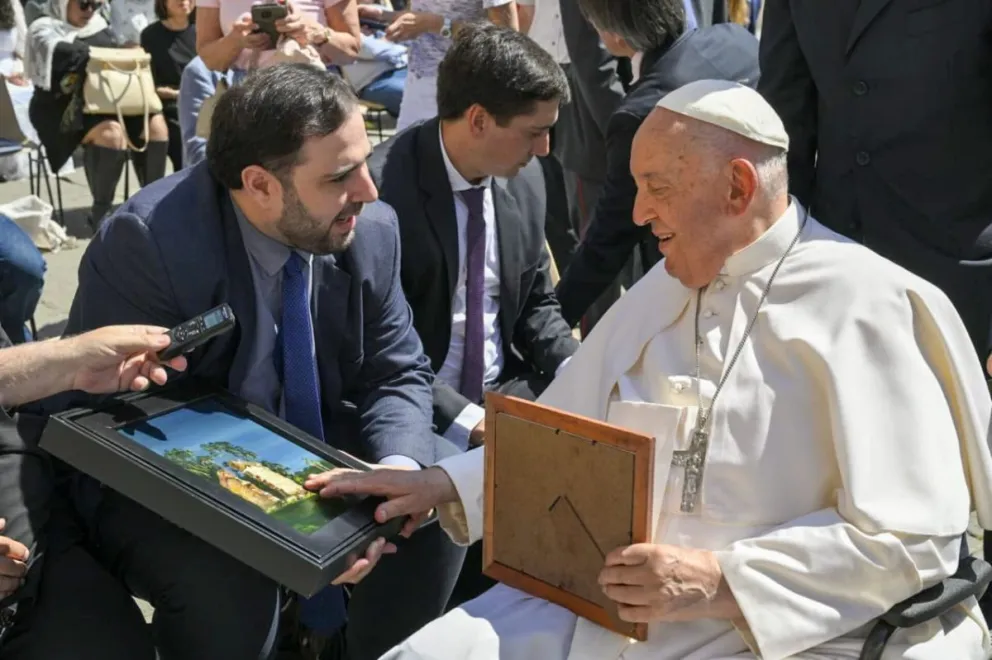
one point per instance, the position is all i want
(467, 420)
(398, 460)
(562, 366)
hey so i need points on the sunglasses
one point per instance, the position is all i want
(90, 5)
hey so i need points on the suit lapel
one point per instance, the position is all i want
(330, 291)
(240, 295)
(866, 13)
(440, 206)
(511, 256)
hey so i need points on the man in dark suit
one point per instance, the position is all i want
(272, 224)
(469, 176)
(889, 111)
(671, 58)
(472, 209)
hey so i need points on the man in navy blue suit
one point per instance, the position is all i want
(281, 223)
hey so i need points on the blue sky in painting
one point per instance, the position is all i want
(208, 421)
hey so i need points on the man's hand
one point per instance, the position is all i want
(477, 437)
(362, 567)
(413, 493)
(118, 358)
(653, 583)
(13, 566)
(244, 31)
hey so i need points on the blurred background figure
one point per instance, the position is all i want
(429, 26)
(58, 51)
(225, 40)
(171, 41)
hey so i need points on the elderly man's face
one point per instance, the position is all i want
(681, 194)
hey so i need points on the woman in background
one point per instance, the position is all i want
(171, 42)
(13, 34)
(429, 25)
(58, 51)
(225, 36)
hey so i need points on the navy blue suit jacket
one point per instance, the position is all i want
(174, 250)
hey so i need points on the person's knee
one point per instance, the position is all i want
(108, 134)
(158, 130)
(19, 254)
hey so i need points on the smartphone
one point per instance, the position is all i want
(198, 331)
(265, 17)
(373, 25)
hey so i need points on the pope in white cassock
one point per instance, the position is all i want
(833, 399)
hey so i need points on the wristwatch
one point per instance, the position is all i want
(446, 28)
(324, 37)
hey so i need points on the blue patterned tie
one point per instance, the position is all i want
(325, 612)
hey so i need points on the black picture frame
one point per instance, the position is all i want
(90, 439)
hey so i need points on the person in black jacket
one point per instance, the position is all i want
(671, 57)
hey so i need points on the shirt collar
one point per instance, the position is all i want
(770, 246)
(268, 253)
(458, 182)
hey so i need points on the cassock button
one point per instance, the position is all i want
(860, 88)
(678, 387)
(862, 158)
(719, 285)
(709, 313)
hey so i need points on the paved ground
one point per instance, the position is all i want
(60, 284)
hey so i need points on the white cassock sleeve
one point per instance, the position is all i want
(462, 520)
(909, 415)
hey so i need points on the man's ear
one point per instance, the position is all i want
(261, 184)
(743, 185)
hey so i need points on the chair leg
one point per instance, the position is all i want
(58, 191)
(378, 124)
(34, 328)
(127, 176)
(43, 169)
(31, 171)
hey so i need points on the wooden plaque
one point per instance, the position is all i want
(561, 492)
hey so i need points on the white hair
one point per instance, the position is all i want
(770, 162)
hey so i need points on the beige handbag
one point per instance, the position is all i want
(119, 83)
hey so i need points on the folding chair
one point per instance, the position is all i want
(10, 130)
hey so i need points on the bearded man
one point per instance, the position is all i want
(282, 223)
(824, 407)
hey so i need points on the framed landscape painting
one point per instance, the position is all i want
(228, 472)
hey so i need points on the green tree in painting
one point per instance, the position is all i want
(312, 467)
(278, 468)
(218, 448)
(201, 465)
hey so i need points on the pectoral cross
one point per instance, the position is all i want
(693, 460)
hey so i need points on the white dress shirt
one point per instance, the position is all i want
(546, 29)
(451, 370)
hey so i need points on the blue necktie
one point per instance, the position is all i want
(325, 612)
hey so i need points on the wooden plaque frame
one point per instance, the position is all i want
(535, 453)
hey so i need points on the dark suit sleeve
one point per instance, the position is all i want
(394, 385)
(612, 234)
(448, 405)
(786, 83)
(541, 333)
(594, 69)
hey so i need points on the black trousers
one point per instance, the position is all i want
(472, 582)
